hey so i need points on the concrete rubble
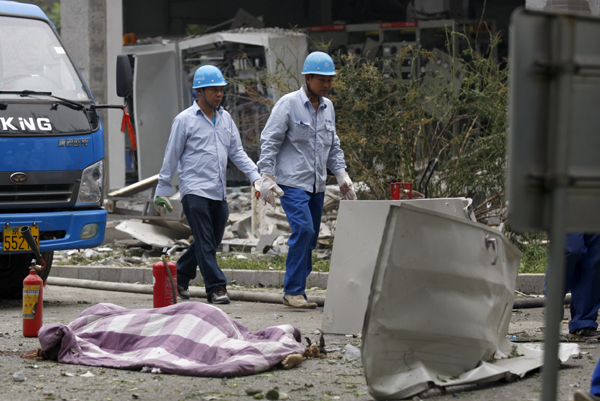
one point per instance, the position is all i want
(136, 233)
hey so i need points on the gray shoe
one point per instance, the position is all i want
(583, 396)
(219, 296)
(183, 293)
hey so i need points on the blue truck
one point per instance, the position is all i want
(51, 148)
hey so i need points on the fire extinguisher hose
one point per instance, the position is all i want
(26, 233)
(173, 290)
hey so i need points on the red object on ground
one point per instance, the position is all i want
(163, 294)
(32, 304)
(400, 188)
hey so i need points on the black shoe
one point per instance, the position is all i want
(183, 293)
(219, 296)
(585, 333)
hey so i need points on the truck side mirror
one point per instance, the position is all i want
(124, 76)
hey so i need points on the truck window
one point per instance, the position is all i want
(32, 58)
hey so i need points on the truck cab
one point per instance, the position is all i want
(51, 147)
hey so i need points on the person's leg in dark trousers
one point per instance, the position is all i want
(585, 285)
(207, 219)
(303, 210)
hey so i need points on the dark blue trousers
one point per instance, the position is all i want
(208, 219)
(582, 278)
(303, 210)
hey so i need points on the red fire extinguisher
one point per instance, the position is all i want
(32, 303)
(165, 282)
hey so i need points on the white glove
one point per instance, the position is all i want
(268, 189)
(345, 184)
(256, 187)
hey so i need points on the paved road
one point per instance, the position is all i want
(315, 379)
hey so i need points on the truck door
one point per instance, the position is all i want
(156, 101)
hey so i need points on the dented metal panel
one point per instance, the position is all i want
(440, 300)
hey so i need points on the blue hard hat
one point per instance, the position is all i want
(208, 75)
(318, 63)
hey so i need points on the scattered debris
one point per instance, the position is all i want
(252, 391)
(148, 369)
(314, 349)
(144, 225)
(351, 353)
(265, 243)
(19, 376)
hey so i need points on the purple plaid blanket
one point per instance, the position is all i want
(189, 338)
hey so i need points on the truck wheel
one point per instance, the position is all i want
(13, 270)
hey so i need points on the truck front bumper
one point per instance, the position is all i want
(67, 227)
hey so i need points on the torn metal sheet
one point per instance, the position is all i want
(420, 378)
(440, 306)
(358, 233)
(151, 234)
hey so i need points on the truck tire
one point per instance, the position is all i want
(13, 270)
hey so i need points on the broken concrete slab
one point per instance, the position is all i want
(243, 227)
(238, 245)
(150, 233)
(266, 241)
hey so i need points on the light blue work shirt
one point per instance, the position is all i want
(198, 149)
(297, 144)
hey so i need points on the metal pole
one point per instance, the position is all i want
(557, 184)
(555, 296)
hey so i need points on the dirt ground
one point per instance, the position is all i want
(331, 378)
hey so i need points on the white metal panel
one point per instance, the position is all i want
(360, 226)
(156, 103)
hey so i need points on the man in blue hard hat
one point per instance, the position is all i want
(202, 138)
(298, 143)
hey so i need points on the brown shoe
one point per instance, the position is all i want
(298, 301)
(583, 396)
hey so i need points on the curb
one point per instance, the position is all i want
(526, 283)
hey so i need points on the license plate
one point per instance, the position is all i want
(14, 241)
